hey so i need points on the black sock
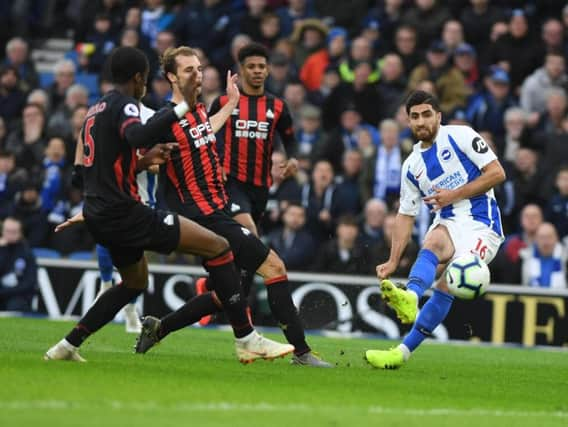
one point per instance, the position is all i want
(247, 279)
(283, 309)
(224, 280)
(102, 312)
(189, 313)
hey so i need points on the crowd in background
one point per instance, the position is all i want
(343, 68)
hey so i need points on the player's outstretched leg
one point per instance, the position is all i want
(135, 280)
(280, 301)
(432, 314)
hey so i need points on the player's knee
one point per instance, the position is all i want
(275, 265)
(219, 245)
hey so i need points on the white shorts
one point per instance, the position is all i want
(469, 236)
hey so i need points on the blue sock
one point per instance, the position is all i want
(423, 272)
(432, 314)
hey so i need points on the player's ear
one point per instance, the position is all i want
(171, 77)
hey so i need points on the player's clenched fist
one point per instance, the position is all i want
(385, 270)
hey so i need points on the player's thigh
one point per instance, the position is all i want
(478, 240)
(249, 251)
(439, 241)
(198, 240)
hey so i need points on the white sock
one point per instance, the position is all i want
(130, 308)
(405, 351)
(106, 285)
(68, 345)
(247, 338)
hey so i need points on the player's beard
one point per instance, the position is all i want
(425, 133)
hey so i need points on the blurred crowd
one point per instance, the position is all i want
(343, 68)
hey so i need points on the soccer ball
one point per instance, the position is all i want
(467, 277)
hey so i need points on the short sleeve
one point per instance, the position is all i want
(475, 147)
(127, 113)
(410, 196)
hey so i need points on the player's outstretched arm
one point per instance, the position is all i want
(157, 155)
(152, 132)
(403, 226)
(491, 175)
(218, 119)
(74, 220)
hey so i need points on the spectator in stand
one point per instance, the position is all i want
(11, 181)
(388, 14)
(516, 134)
(452, 35)
(544, 262)
(314, 68)
(210, 85)
(381, 251)
(291, 15)
(28, 141)
(516, 52)
(344, 254)
(53, 177)
(318, 199)
(478, 20)
(552, 120)
(428, 17)
(40, 97)
(346, 14)
(18, 269)
(330, 81)
(292, 242)
(28, 209)
(17, 55)
(531, 217)
(250, 22)
(371, 31)
(308, 37)
(382, 173)
(237, 43)
(161, 92)
(279, 74)
(103, 40)
(12, 98)
(60, 121)
(450, 84)
(392, 84)
(64, 71)
(280, 194)
(310, 133)
(536, 87)
(295, 97)
(347, 184)
(269, 29)
(371, 229)
(528, 179)
(361, 51)
(3, 133)
(465, 60)
(553, 37)
(155, 18)
(486, 110)
(557, 207)
(406, 48)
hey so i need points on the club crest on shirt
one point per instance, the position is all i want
(446, 155)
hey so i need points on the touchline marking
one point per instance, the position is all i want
(150, 406)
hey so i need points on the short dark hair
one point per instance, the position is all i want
(125, 62)
(348, 219)
(562, 168)
(252, 49)
(421, 97)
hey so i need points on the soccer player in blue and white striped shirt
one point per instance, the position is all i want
(453, 171)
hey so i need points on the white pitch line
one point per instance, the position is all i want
(269, 407)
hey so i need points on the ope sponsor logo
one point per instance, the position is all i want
(251, 129)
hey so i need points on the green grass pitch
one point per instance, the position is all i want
(193, 379)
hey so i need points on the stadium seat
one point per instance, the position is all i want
(46, 253)
(46, 78)
(81, 255)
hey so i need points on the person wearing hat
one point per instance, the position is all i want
(465, 60)
(487, 109)
(295, 11)
(310, 133)
(311, 73)
(449, 81)
(308, 37)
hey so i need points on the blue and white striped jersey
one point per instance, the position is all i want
(147, 182)
(456, 158)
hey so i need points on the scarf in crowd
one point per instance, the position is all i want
(545, 272)
(387, 172)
